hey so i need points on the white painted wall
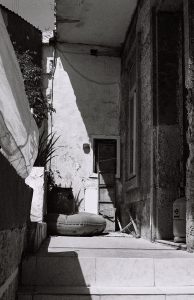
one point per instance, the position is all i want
(86, 98)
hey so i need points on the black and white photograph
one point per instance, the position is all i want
(96, 149)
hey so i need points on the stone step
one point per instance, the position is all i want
(75, 270)
(104, 293)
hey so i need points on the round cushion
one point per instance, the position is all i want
(81, 224)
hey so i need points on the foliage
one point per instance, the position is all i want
(32, 75)
(77, 203)
(46, 149)
(51, 179)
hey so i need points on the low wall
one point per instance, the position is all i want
(15, 203)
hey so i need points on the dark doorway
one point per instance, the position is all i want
(105, 164)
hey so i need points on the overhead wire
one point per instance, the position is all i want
(82, 75)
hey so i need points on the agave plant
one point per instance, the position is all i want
(46, 149)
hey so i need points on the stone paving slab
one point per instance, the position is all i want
(119, 253)
(107, 268)
(105, 246)
(107, 271)
(103, 242)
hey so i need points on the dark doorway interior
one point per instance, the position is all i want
(105, 164)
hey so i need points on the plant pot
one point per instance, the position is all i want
(61, 201)
(37, 181)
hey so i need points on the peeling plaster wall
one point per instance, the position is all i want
(86, 98)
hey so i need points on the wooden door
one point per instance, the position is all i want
(106, 165)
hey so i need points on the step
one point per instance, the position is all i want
(103, 293)
(107, 262)
(110, 241)
(74, 270)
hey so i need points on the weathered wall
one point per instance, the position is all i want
(159, 84)
(15, 202)
(137, 197)
(189, 75)
(86, 95)
(169, 121)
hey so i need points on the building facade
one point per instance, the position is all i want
(124, 106)
(156, 127)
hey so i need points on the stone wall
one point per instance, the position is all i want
(136, 197)
(15, 202)
(189, 75)
(160, 171)
(169, 121)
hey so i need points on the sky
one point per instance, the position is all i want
(40, 13)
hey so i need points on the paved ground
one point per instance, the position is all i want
(106, 268)
(112, 245)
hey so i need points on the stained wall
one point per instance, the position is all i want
(86, 95)
(136, 196)
(156, 32)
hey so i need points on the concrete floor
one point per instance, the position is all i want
(107, 267)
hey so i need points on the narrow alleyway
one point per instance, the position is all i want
(97, 121)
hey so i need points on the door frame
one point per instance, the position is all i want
(108, 137)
